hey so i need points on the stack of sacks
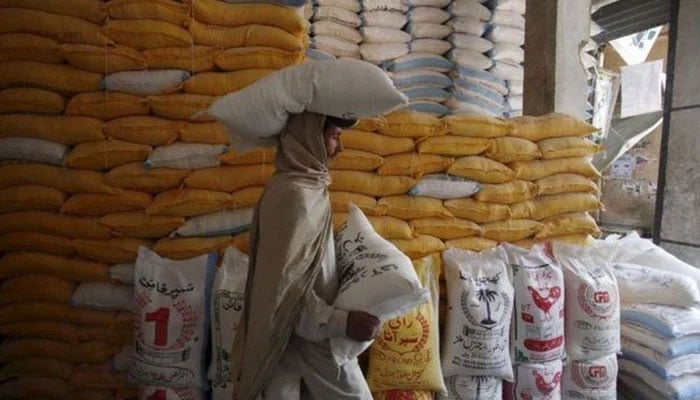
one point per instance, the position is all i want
(469, 94)
(507, 32)
(382, 37)
(335, 27)
(91, 108)
(421, 73)
(592, 309)
(475, 343)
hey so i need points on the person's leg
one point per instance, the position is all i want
(285, 383)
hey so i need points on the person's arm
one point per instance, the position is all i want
(319, 320)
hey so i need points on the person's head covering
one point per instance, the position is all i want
(291, 230)
(342, 123)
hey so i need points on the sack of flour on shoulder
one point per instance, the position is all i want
(444, 187)
(536, 382)
(165, 393)
(472, 387)
(479, 311)
(591, 379)
(171, 329)
(340, 88)
(375, 277)
(639, 284)
(592, 303)
(538, 332)
(226, 310)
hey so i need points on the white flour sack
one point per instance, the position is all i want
(226, 310)
(340, 88)
(479, 311)
(444, 187)
(104, 296)
(185, 156)
(145, 83)
(374, 277)
(666, 320)
(592, 303)
(671, 347)
(591, 380)
(165, 393)
(30, 149)
(172, 320)
(538, 381)
(538, 331)
(640, 284)
(472, 388)
(663, 366)
(229, 222)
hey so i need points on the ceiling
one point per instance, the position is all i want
(625, 17)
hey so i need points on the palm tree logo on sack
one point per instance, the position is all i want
(485, 305)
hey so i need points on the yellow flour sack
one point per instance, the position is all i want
(206, 133)
(477, 126)
(60, 331)
(481, 169)
(568, 224)
(28, 47)
(65, 130)
(247, 197)
(356, 160)
(23, 289)
(408, 207)
(35, 388)
(230, 178)
(534, 170)
(107, 105)
(57, 77)
(387, 227)
(36, 367)
(370, 184)
(419, 246)
(549, 206)
(478, 211)
(375, 143)
(152, 131)
(510, 230)
(237, 14)
(412, 124)
(30, 197)
(67, 180)
(106, 154)
(94, 377)
(565, 183)
(507, 193)
(189, 202)
(453, 145)
(406, 355)
(135, 176)
(147, 34)
(252, 157)
(31, 100)
(568, 147)
(161, 10)
(63, 28)
(245, 36)
(26, 263)
(138, 224)
(257, 57)
(105, 60)
(549, 126)
(44, 311)
(242, 242)
(87, 352)
(98, 204)
(180, 106)
(341, 200)
(509, 149)
(371, 124)
(52, 223)
(222, 83)
(573, 239)
(194, 59)
(184, 248)
(413, 164)
(472, 243)
(88, 10)
(404, 395)
(36, 241)
(445, 228)
(112, 251)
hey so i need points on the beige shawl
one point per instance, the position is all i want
(292, 225)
